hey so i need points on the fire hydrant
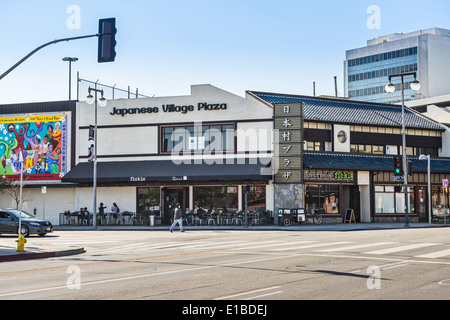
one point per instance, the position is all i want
(21, 243)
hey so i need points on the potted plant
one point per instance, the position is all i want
(269, 216)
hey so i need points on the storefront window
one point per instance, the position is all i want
(391, 202)
(437, 200)
(148, 200)
(223, 198)
(256, 198)
(384, 202)
(323, 197)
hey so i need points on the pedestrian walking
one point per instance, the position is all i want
(177, 218)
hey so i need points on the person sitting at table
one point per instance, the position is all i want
(200, 210)
(81, 216)
(196, 213)
(86, 216)
(188, 215)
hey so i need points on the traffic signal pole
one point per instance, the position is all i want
(42, 47)
(106, 45)
(405, 159)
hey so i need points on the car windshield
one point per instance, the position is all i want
(16, 214)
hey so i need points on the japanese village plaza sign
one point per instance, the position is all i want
(289, 128)
(170, 108)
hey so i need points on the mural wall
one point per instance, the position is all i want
(42, 143)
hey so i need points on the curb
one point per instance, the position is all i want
(41, 255)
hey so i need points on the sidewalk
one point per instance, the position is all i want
(35, 249)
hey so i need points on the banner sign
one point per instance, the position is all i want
(40, 140)
(91, 150)
(289, 127)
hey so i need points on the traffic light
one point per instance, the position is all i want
(398, 166)
(107, 40)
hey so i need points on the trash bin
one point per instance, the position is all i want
(152, 220)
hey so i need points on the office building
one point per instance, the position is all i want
(427, 52)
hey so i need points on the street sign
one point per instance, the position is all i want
(399, 178)
(445, 183)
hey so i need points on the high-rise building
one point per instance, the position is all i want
(427, 52)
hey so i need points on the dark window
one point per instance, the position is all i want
(218, 137)
(383, 56)
(148, 200)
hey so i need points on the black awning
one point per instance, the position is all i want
(167, 171)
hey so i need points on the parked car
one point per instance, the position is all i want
(9, 223)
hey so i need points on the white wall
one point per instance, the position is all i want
(439, 65)
(58, 200)
(445, 151)
(364, 191)
(338, 146)
(141, 134)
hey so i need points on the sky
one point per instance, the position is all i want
(164, 47)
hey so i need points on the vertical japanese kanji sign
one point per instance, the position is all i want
(289, 127)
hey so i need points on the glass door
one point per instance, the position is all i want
(422, 204)
(171, 198)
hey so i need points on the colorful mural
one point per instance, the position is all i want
(42, 143)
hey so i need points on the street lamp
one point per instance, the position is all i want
(425, 157)
(90, 99)
(390, 88)
(70, 60)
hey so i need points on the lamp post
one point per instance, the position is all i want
(425, 157)
(102, 102)
(70, 60)
(390, 88)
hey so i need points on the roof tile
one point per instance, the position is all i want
(352, 112)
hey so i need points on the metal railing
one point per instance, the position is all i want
(110, 92)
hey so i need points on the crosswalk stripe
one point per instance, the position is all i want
(317, 245)
(157, 246)
(211, 243)
(240, 243)
(121, 248)
(82, 242)
(402, 248)
(359, 246)
(435, 255)
(283, 243)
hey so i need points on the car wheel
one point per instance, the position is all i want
(24, 231)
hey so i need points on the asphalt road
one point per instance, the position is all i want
(238, 265)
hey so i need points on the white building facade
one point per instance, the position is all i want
(197, 150)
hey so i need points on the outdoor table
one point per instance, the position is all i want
(76, 217)
(127, 215)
